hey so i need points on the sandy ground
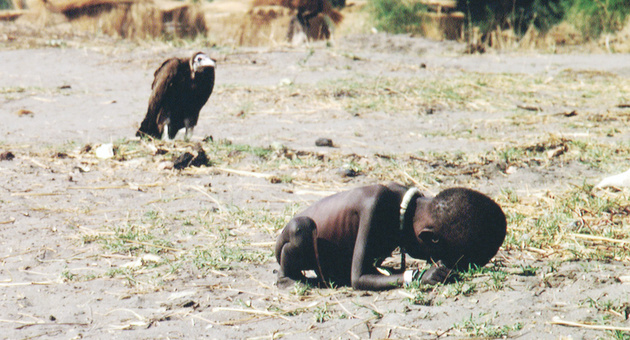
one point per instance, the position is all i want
(61, 278)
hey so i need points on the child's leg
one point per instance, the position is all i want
(295, 250)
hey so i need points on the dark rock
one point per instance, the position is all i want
(349, 173)
(197, 158)
(6, 156)
(183, 161)
(324, 142)
(201, 159)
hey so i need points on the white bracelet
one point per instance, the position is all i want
(408, 276)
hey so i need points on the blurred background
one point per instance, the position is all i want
(480, 23)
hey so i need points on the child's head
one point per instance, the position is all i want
(467, 227)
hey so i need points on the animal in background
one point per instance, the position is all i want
(181, 87)
(313, 16)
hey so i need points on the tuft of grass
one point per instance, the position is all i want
(619, 335)
(224, 256)
(322, 313)
(68, 276)
(301, 289)
(134, 239)
(421, 298)
(621, 308)
(481, 326)
(528, 271)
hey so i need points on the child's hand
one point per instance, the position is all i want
(436, 274)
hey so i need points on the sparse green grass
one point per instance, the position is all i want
(481, 326)
(16, 89)
(420, 296)
(67, 275)
(621, 308)
(301, 289)
(322, 313)
(221, 249)
(611, 310)
(12, 93)
(619, 335)
(16, 92)
(224, 256)
(464, 283)
(566, 220)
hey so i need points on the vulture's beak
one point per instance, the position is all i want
(202, 61)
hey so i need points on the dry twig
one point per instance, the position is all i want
(557, 321)
(250, 311)
(599, 238)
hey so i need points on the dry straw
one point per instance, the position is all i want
(137, 19)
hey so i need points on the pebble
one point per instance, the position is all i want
(324, 142)
(105, 151)
(348, 173)
(6, 156)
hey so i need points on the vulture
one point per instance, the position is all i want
(180, 89)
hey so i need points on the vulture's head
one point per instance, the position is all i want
(200, 62)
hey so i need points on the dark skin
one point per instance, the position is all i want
(352, 232)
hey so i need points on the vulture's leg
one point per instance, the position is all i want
(165, 133)
(189, 129)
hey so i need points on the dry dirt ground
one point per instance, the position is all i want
(128, 247)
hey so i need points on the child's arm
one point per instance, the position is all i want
(363, 276)
(374, 215)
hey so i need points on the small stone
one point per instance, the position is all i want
(348, 173)
(6, 156)
(201, 159)
(324, 142)
(24, 112)
(105, 151)
(183, 161)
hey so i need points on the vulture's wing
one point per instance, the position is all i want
(160, 102)
(161, 99)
